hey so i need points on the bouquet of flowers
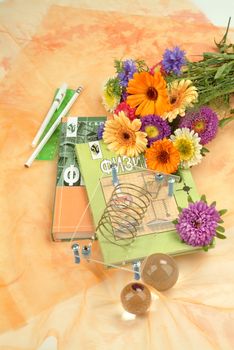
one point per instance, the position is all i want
(166, 112)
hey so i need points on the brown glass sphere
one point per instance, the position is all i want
(160, 271)
(136, 298)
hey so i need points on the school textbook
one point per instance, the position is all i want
(157, 231)
(72, 217)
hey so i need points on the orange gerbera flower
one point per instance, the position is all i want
(162, 156)
(123, 136)
(148, 93)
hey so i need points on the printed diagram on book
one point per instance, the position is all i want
(73, 132)
(160, 208)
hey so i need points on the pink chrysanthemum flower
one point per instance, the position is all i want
(197, 224)
(128, 111)
(204, 122)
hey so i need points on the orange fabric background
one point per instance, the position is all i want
(42, 292)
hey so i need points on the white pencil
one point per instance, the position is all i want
(53, 128)
(55, 105)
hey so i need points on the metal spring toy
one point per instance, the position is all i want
(124, 213)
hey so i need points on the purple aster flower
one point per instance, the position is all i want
(155, 127)
(100, 130)
(197, 224)
(173, 60)
(129, 68)
(124, 95)
(205, 122)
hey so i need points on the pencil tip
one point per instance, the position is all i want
(79, 89)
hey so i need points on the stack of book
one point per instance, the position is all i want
(84, 198)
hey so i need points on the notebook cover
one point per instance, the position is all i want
(72, 218)
(95, 170)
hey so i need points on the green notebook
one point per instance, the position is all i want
(157, 233)
(49, 151)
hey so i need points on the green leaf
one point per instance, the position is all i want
(220, 71)
(220, 229)
(222, 42)
(225, 121)
(118, 64)
(180, 209)
(189, 198)
(141, 66)
(203, 198)
(212, 243)
(219, 235)
(205, 248)
(175, 221)
(222, 212)
(204, 151)
(113, 87)
(213, 204)
(221, 221)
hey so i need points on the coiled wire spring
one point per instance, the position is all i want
(124, 213)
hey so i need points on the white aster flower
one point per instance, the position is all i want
(188, 144)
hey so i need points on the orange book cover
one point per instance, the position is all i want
(72, 217)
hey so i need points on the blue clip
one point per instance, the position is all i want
(86, 250)
(76, 248)
(159, 177)
(171, 182)
(115, 180)
(136, 267)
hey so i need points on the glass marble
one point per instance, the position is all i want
(160, 271)
(136, 298)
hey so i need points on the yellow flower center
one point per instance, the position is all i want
(185, 147)
(199, 126)
(152, 93)
(152, 131)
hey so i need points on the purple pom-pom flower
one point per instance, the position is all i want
(197, 224)
(204, 122)
(173, 60)
(100, 131)
(155, 127)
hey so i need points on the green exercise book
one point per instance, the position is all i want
(153, 210)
